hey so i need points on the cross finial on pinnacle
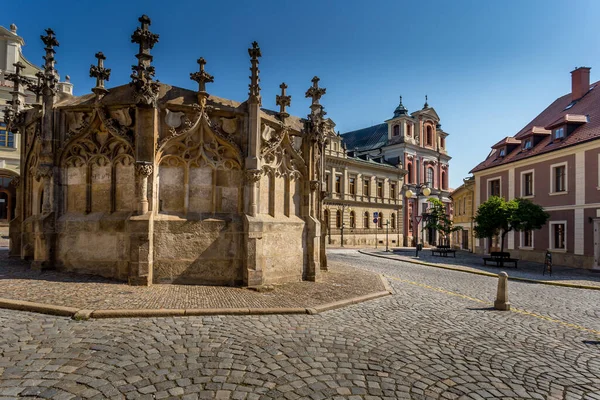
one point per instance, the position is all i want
(100, 73)
(426, 105)
(315, 91)
(254, 54)
(283, 101)
(143, 72)
(202, 77)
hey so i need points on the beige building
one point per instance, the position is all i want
(358, 188)
(11, 58)
(463, 211)
(148, 182)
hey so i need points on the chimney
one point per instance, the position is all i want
(580, 82)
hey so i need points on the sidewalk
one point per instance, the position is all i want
(473, 263)
(340, 286)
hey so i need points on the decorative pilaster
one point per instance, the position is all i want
(146, 90)
(44, 173)
(143, 171)
(202, 77)
(101, 74)
(252, 177)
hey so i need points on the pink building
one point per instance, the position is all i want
(554, 161)
(416, 141)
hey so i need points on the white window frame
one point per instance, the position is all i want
(551, 236)
(553, 191)
(523, 173)
(522, 240)
(487, 184)
(525, 147)
(562, 136)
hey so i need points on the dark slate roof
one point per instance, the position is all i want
(588, 105)
(369, 138)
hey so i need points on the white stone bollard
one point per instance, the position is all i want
(502, 302)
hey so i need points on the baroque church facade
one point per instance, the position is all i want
(415, 144)
(151, 183)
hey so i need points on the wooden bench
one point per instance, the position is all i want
(443, 251)
(500, 258)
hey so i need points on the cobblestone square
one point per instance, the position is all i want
(436, 337)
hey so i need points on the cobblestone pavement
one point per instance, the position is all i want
(435, 338)
(474, 262)
(18, 282)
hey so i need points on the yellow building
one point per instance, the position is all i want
(463, 204)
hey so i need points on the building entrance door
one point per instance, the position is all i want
(3, 206)
(465, 239)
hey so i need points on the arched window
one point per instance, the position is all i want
(408, 130)
(326, 218)
(443, 180)
(396, 130)
(366, 220)
(338, 219)
(380, 220)
(409, 173)
(430, 176)
(442, 142)
(352, 220)
(429, 136)
(393, 221)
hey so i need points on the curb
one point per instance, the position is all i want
(84, 314)
(483, 273)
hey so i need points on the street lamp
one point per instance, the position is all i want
(423, 189)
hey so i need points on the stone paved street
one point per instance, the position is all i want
(18, 282)
(435, 338)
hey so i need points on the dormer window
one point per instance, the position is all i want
(396, 130)
(559, 133)
(527, 144)
(502, 152)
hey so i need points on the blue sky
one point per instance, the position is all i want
(487, 67)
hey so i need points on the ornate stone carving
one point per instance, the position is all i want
(279, 155)
(254, 54)
(314, 185)
(146, 90)
(174, 119)
(50, 76)
(252, 175)
(16, 181)
(283, 101)
(202, 77)
(229, 125)
(43, 171)
(144, 168)
(77, 121)
(101, 74)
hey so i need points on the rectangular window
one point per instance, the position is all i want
(559, 174)
(527, 240)
(327, 184)
(338, 184)
(502, 152)
(380, 189)
(558, 235)
(393, 191)
(366, 187)
(527, 144)
(528, 184)
(559, 133)
(495, 187)
(352, 186)
(7, 139)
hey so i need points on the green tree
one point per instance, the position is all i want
(439, 220)
(498, 217)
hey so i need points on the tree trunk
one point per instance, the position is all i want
(502, 248)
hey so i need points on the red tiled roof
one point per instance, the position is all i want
(505, 141)
(588, 106)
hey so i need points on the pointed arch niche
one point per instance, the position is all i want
(199, 172)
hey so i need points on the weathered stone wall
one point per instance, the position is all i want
(96, 243)
(207, 251)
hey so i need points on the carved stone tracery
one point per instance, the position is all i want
(279, 155)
